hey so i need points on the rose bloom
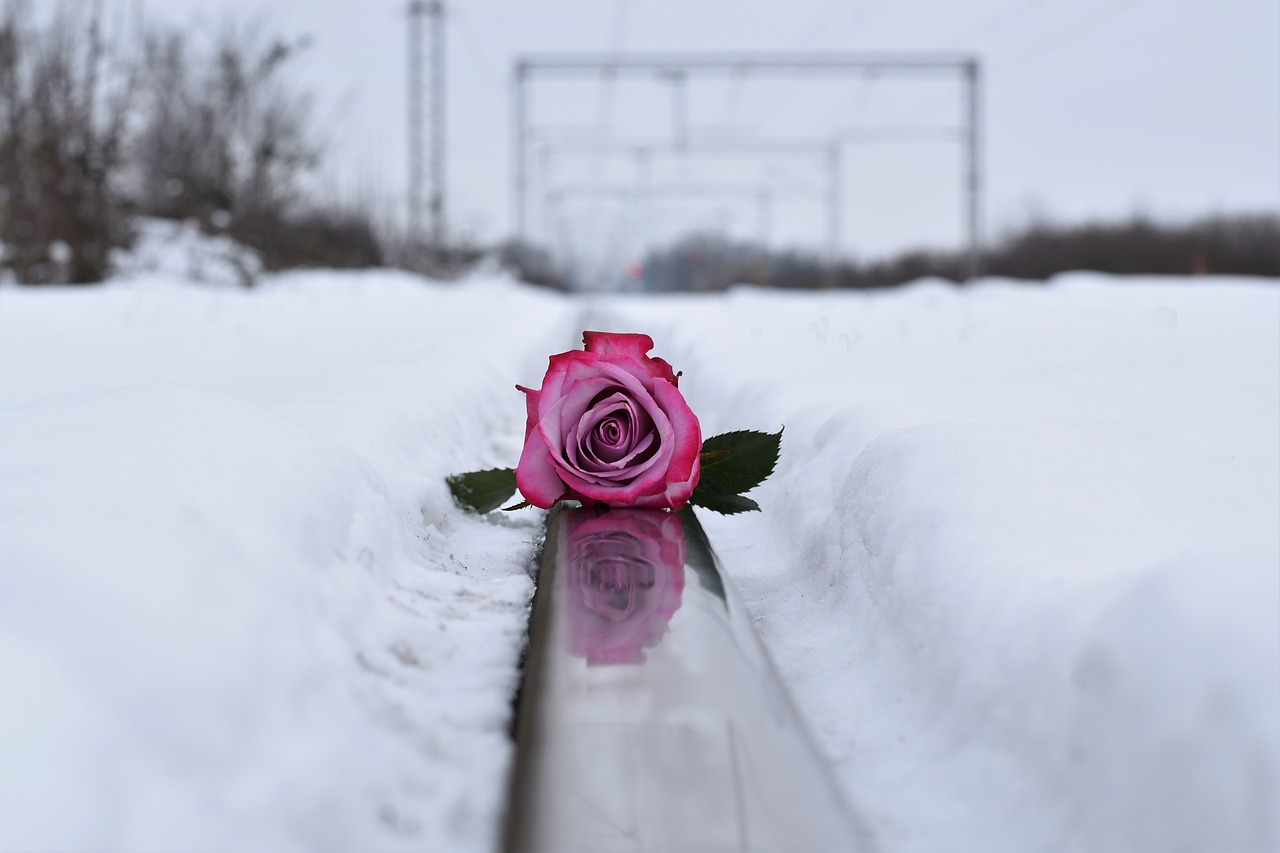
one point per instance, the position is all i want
(610, 426)
(623, 578)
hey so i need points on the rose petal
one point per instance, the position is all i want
(559, 417)
(615, 408)
(531, 398)
(661, 370)
(650, 456)
(615, 343)
(574, 432)
(648, 476)
(633, 345)
(536, 474)
(557, 374)
(624, 468)
(685, 465)
(624, 487)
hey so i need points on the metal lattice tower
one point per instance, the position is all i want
(426, 142)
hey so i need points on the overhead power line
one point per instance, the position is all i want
(1082, 26)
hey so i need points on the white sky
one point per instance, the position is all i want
(1095, 108)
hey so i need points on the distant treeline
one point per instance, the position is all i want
(1236, 245)
(99, 127)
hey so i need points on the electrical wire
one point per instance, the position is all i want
(604, 121)
(1036, 51)
(608, 85)
(478, 60)
(1082, 26)
(998, 21)
(848, 21)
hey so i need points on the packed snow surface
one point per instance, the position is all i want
(1021, 559)
(238, 608)
(1019, 562)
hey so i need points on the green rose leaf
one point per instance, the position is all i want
(733, 463)
(737, 462)
(483, 491)
(722, 502)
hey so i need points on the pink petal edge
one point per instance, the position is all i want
(536, 475)
(617, 343)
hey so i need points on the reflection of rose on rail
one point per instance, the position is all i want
(624, 577)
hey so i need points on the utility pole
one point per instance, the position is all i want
(973, 178)
(520, 164)
(426, 150)
(834, 202)
(679, 109)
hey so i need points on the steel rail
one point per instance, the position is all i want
(650, 717)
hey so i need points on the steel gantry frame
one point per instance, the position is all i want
(761, 193)
(641, 152)
(678, 68)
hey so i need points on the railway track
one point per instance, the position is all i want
(651, 718)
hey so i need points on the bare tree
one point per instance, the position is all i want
(65, 103)
(222, 135)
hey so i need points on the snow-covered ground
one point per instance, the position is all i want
(1019, 562)
(238, 608)
(1021, 559)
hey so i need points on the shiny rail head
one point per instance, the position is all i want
(623, 576)
(651, 717)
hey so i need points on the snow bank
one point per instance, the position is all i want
(1020, 559)
(238, 609)
(1019, 562)
(182, 251)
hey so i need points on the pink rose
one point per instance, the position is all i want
(623, 582)
(609, 425)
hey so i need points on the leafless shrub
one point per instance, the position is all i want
(1240, 245)
(227, 142)
(531, 264)
(446, 261)
(316, 238)
(222, 132)
(162, 124)
(65, 102)
(1237, 245)
(708, 262)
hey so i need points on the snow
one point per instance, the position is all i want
(1019, 563)
(181, 250)
(1020, 559)
(238, 609)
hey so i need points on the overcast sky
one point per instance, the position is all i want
(1092, 108)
